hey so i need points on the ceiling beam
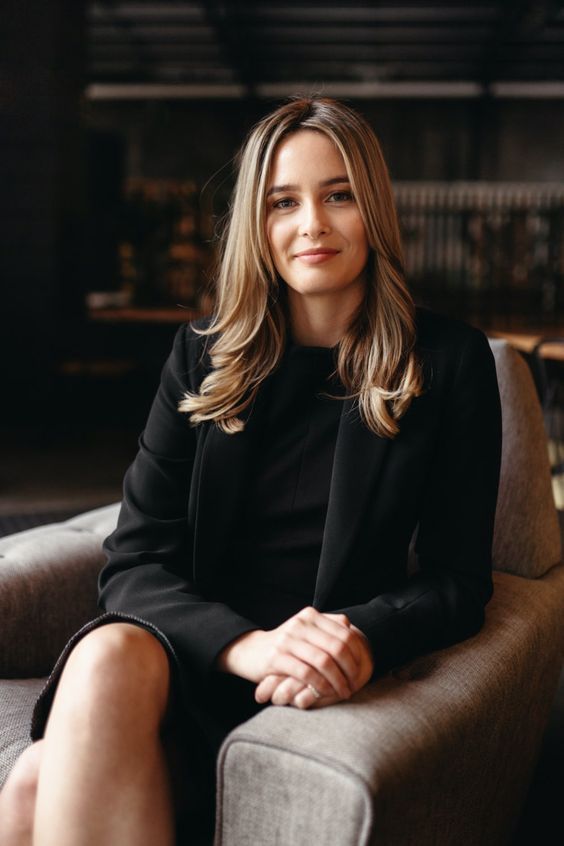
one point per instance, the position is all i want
(424, 90)
(519, 20)
(109, 9)
(219, 17)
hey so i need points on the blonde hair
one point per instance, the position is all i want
(377, 363)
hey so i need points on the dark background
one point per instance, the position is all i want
(66, 149)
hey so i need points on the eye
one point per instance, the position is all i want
(284, 203)
(341, 196)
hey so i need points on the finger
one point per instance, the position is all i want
(305, 699)
(343, 642)
(267, 686)
(283, 663)
(286, 691)
(342, 619)
(354, 637)
(338, 648)
(331, 623)
(366, 669)
(303, 660)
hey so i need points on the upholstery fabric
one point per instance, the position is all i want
(16, 705)
(48, 589)
(527, 534)
(406, 762)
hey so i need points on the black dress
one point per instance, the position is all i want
(275, 554)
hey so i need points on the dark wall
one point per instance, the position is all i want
(514, 140)
(42, 197)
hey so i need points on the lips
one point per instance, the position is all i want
(321, 251)
(316, 256)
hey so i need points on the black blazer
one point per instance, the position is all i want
(168, 559)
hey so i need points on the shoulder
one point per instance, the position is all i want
(189, 337)
(437, 331)
(447, 337)
(448, 346)
(190, 357)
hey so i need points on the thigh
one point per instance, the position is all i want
(102, 659)
(17, 796)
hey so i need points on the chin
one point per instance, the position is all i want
(312, 290)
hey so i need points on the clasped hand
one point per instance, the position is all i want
(309, 661)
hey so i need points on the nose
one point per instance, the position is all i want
(313, 220)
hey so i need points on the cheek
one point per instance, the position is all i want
(276, 239)
(270, 241)
(360, 239)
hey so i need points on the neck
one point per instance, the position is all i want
(319, 321)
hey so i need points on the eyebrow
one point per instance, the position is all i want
(335, 180)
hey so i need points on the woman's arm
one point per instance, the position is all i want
(444, 603)
(149, 566)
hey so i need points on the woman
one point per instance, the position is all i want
(261, 555)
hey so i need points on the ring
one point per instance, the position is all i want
(314, 690)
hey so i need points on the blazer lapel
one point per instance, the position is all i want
(357, 464)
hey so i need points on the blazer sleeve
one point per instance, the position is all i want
(444, 602)
(149, 555)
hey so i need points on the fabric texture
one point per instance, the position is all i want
(527, 533)
(48, 578)
(439, 752)
(16, 704)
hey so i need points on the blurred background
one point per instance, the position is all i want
(119, 124)
(121, 121)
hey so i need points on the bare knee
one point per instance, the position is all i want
(119, 663)
(17, 800)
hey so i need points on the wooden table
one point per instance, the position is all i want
(134, 314)
(527, 341)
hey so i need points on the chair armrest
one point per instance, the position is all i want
(440, 752)
(48, 589)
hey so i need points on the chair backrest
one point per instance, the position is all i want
(527, 531)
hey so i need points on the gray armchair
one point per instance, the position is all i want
(440, 751)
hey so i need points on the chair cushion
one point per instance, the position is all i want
(17, 698)
(48, 589)
(527, 533)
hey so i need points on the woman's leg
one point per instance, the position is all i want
(103, 777)
(17, 798)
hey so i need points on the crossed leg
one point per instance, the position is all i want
(100, 773)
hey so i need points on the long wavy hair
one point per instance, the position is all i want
(376, 361)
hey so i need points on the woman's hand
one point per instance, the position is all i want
(285, 690)
(318, 650)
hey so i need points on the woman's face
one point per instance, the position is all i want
(315, 232)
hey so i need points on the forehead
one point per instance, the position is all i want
(306, 151)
